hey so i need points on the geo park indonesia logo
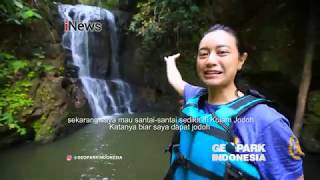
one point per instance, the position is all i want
(82, 26)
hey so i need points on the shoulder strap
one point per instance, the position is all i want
(240, 106)
(245, 104)
(236, 109)
(181, 161)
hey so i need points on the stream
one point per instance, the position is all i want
(142, 153)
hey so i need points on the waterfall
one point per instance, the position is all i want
(105, 97)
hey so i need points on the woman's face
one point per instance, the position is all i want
(218, 59)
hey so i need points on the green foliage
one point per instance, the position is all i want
(17, 65)
(13, 93)
(88, 2)
(109, 4)
(17, 12)
(8, 119)
(167, 21)
(15, 78)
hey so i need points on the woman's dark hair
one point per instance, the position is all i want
(229, 30)
(244, 87)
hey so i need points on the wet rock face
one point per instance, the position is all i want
(70, 70)
(53, 105)
(100, 52)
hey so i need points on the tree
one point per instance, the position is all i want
(306, 73)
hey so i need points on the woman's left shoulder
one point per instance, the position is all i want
(264, 115)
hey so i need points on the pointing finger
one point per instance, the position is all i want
(176, 55)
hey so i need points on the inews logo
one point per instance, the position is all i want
(82, 26)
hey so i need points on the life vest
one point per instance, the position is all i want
(191, 151)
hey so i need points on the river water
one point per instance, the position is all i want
(142, 155)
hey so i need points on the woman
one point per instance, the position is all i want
(218, 61)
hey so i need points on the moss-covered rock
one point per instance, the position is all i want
(53, 105)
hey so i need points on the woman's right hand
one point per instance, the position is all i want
(171, 58)
(173, 74)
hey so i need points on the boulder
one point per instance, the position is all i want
(53, 105)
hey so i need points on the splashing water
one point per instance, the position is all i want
(106, 97)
